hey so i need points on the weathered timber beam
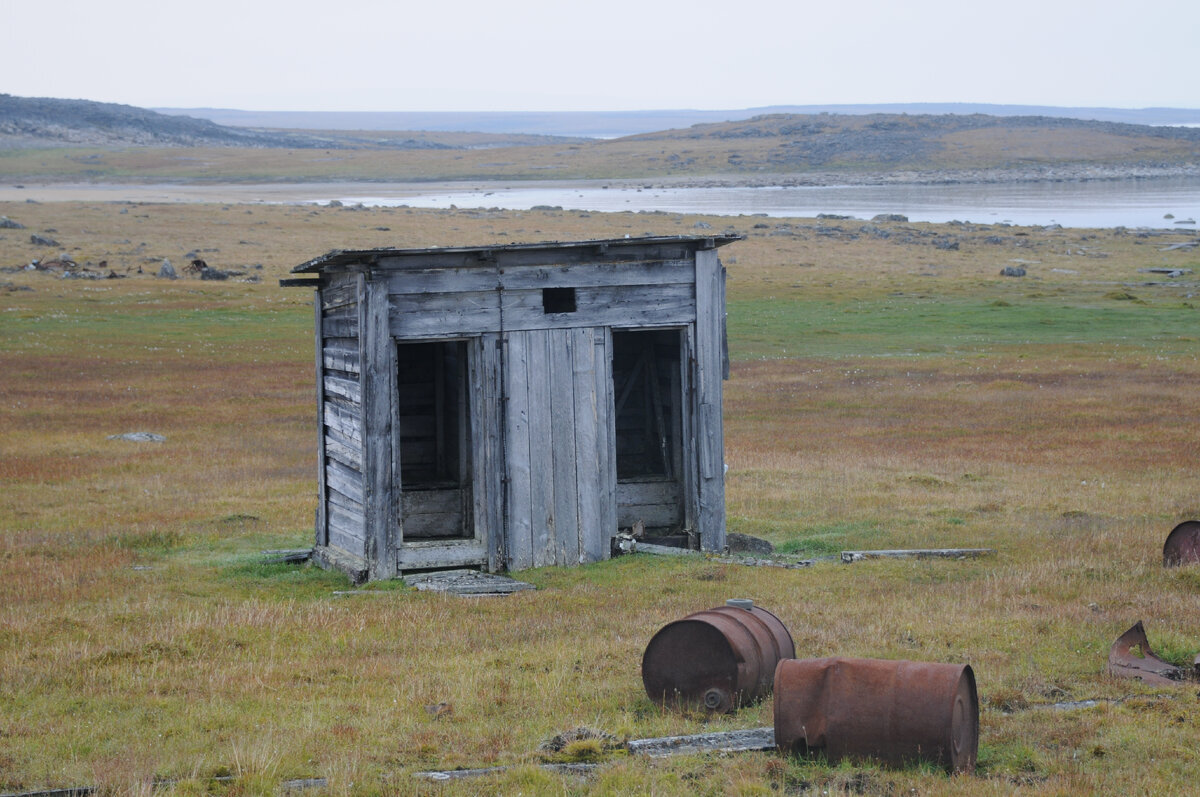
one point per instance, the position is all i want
(441, 776)
(721, 742)
(917, 553)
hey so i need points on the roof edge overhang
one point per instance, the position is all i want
(369, 257)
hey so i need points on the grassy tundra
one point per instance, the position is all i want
(889, 389)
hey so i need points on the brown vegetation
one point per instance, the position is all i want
(885, 393)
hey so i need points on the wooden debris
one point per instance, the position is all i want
(468, 583)
(441, 776)
(753, 562)
(721, 742)
(917, 553)
(661, 550)
(288, 556)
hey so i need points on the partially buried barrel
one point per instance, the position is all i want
(717, 659)
(1183, 544)
(897, 712)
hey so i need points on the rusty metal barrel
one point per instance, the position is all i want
(717, 659)
(1182, 546)
(897, 712)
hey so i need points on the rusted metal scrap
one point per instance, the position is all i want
(897, 712)
(1183, 544)
(716, 660)
(1131, 657)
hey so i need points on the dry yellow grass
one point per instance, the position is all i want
(142, 640)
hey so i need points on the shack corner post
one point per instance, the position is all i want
(515, 406)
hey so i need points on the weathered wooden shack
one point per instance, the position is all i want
(514, 406)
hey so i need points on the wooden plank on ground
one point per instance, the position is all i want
(917, 553)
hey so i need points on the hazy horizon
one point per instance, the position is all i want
(631, 55)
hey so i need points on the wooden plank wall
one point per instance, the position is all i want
(560, 503)
(462, 302)
(340, 418)
(710, 440)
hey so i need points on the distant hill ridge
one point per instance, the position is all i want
(617, 124)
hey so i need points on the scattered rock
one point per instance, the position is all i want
(139, 437)
(1012, 271)
(702, 225)
(39, 240)
(207, 273)
(166, 271)
(946, 243)
(745, 543)
(890, 217)
(8, 224)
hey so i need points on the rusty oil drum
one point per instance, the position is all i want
(897, 712)
(717, 659)
(1183, 544)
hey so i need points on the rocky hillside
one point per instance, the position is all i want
(787, 142)
(41, 122)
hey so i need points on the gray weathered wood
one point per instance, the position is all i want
(517, 453)
(377, 354)
(593, 541)
(348, 389)
(344, 480)
(917, 553)
(424, 555)
(543, 518)
(662, 550)
(720, 742)
(321, 536)
(656, 503)
(487, 425)
(595, 275)
(341, 354)
(344, 418)
(600, 546)
(444, 314)
(626, 306)
(710, 442)
(562, 458)
(343, 451)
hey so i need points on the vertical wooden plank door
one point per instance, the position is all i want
(559, 507)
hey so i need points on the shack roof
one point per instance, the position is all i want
(371, 257)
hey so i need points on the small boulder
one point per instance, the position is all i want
(166, 271)
(8, 224)
(889, 217)
(1012, 271)
(745, 543)
(40, 240)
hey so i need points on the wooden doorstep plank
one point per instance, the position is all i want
(440, 553)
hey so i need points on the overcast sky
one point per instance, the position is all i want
(471, 55)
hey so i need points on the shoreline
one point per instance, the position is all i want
(314, 192)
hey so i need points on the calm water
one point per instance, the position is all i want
(1128, 203)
